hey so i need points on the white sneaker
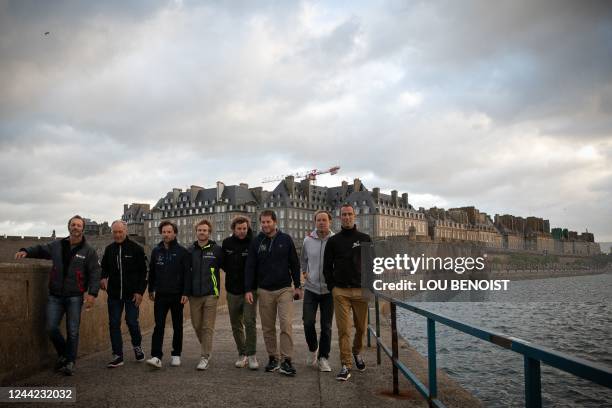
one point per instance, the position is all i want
(253, 363)
(324, 365)
(176, 361)
(312, 358)
(154, 362)
(241, 362)
(202, 365)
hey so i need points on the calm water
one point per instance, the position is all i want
(580, 325)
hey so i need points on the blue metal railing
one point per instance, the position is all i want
(533, 354)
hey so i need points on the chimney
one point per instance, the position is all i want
(175, 194)
(405, 200)
(194, 192)
(376, 193)
(125, 208)
(344, 188)
(394, 198)
(356, 185)
(306, 188)
(257, 193)
(220, 188)
(289, 183)
(244, 185)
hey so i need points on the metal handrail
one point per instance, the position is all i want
(533, 354)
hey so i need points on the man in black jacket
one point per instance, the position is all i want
(272, 265)
(74, 280)
(124, 277)
(203, 286)
(342, 271)
(242, 314)
(168, 266)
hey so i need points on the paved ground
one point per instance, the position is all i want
(223, 385)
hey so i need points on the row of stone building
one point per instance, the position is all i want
(377, 214)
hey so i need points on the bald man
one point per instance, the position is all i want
(124, 277)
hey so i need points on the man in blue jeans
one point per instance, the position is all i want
(74, 279)
(124, 277)
(316, 294)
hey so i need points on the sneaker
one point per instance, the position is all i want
(253, 363)
(359, 363)
(286, 368)
(68, 369)
(202, 365)
(139, 354)
(116, 362)
(272, 364)
(324, 365)
(241, 362)
(154, 362)
(312, 358)
(60, 363)
(176, 361)
(344, 374)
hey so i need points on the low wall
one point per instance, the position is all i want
(24, 342)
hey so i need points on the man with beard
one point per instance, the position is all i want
(74, 279)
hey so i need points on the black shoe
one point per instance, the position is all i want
(359, 363)
(139, 354)
(68, 369)
(117, 362)
(344, 374)
(60, 363)
(272, 365)
(286, 368)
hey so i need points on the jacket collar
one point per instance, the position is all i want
(313, 234)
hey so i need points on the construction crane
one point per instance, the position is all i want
(310, 175)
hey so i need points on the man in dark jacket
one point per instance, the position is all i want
(168, 266)
(242, 314)
(74, 280)
(124, 277)
(272, 265)
(203, 286)
(342, 271)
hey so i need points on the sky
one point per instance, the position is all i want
(506, 105)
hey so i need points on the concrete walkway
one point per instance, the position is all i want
(223, 385)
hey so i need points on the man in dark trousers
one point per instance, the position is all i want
(272, 265)
(124, 277)
(168, 266)
(243, 315)
(342, 271)
(74, 280)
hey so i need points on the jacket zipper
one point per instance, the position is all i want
(120, 275)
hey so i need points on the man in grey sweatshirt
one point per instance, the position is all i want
(316, 293)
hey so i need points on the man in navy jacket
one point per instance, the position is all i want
(272, 266)
(169, 264)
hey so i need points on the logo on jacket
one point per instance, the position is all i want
(356, 244)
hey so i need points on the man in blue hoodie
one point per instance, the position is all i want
(272, 265)
(316, 294)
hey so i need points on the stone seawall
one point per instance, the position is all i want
(23, 339)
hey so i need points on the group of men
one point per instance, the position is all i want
(262, 270)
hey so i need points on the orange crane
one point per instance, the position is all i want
(310, 175)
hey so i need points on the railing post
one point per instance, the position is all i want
(377, 309)
(533, 384)
(431, 358)
(394, 348)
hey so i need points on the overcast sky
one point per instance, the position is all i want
(503, 105)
